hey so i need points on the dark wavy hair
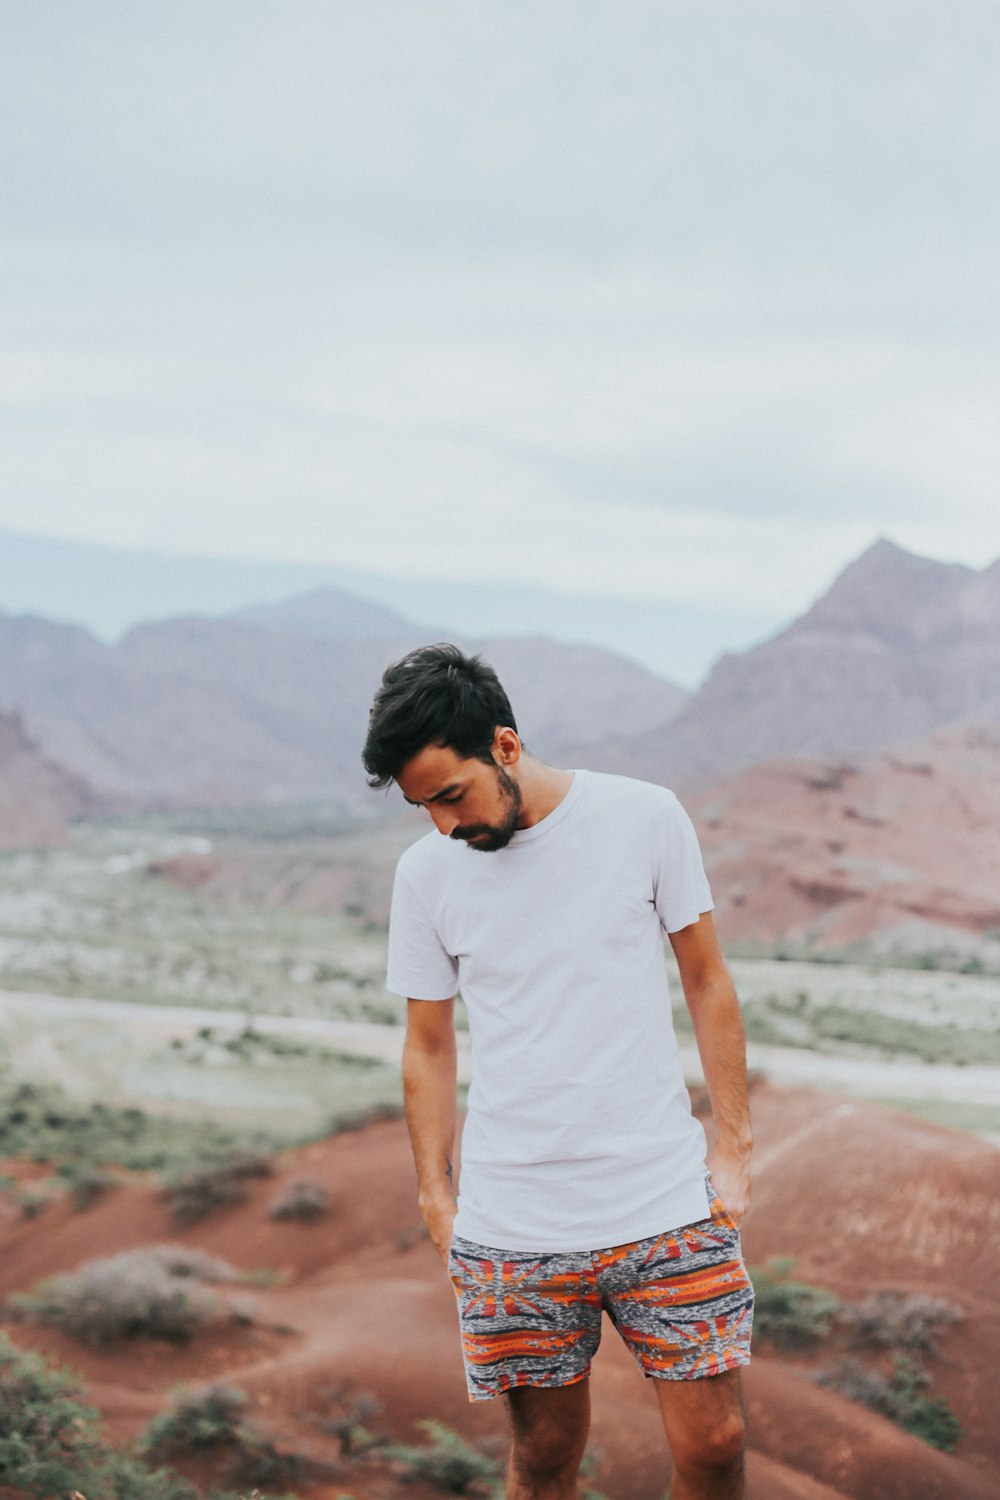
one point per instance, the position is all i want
(434, 696)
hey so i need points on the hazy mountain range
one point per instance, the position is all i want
(879, 830)
(108, 590)
(900, 646)
(270, 704)
(272, 709)
(37, 798)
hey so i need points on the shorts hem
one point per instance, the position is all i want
(519, 1385)
(722, 1367)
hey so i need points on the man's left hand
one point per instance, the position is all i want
(731, 1179)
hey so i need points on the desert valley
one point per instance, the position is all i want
(200, 1061)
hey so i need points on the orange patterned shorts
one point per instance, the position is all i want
(682, 1301)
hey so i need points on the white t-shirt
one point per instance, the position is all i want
(579, 1132)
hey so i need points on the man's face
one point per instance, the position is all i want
(470, 800)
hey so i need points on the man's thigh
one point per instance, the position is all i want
(527, 1321)
(682, 1301)
(698, 1414)
(557, 1418)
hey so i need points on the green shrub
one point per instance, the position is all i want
(157, 1292)
(197, 1420)
(42, 1122)
(124, 1477)
(448, 1461)
(86, 1184)
(451, 1464)
(927, 1417)
(301, 1199)
(792, 1314)
(904, 1398)
(213, 1419)
(51, 1443)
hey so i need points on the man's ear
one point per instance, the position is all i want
(506, 747)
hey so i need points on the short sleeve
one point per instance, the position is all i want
(680, 885)
(419, 966)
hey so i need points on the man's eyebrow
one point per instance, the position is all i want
(444, 792)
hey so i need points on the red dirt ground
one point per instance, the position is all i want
(862, 1197)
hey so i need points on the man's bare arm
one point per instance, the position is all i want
(429, 1089)
(718, 1027)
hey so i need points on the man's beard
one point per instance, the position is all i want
(491, 836)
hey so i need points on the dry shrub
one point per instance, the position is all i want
(33, 1201)
(898, 1320)
(157, 1292)
(348, 1419)
(194, 1195)
(301, 1199)
(360, 1119)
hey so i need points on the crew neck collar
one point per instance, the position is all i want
(544, 825)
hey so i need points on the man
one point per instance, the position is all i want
(583, 1183)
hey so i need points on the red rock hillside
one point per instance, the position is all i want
(899, 850)
(37, 797)
(862, 1197)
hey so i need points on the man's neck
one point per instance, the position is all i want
(542, 789)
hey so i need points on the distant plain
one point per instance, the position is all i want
(120, 983)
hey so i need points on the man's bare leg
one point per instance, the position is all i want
(549, 1430)
(704, 1425)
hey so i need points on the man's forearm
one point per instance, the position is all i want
(429, 1090)
(718, 1029)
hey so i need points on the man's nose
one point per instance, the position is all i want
(444, 819)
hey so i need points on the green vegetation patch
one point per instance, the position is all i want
(979, 1119)
(253, 1046)
(447, 1461)
(51, 1443)
(792, 1314)
(42, 1122)
(212, 1420)
(796, 1315)
(904, 1321)
(936, 1044)
(904, 1397)
(792, 1021)
(455, 1467)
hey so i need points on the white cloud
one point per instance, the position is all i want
(674, 301)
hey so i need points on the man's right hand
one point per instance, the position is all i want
(438, 1214)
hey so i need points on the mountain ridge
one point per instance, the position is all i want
(208, 712)
(898, 647)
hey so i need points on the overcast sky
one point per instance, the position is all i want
(685, 301)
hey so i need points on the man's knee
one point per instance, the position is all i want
(714, 1447)
(544, 1458)
(547, 1443)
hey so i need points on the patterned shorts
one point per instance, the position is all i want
(682, 1301)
